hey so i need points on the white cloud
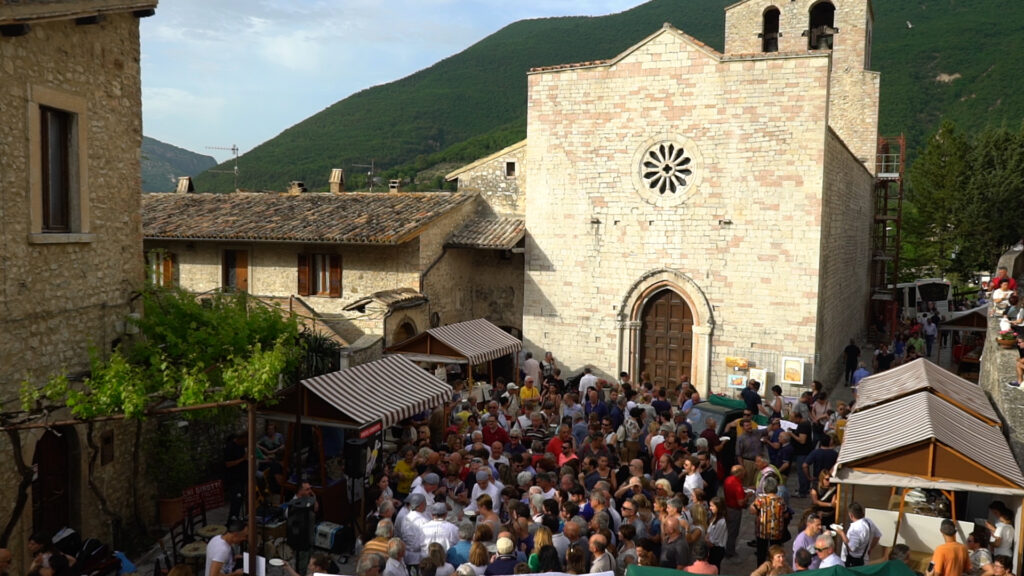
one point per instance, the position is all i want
(241, 71)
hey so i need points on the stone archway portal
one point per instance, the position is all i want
(666, 338)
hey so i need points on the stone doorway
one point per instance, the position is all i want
(666, 338)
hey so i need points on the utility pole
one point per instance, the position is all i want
(370, 173)
(234, 150)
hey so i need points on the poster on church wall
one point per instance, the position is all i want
(736, 362)
(792, 370)
(736, 381)
(761, 375)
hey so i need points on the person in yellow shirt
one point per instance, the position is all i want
(529, 392)
(405, 472)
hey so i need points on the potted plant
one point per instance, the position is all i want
(171, 467)
(1007, 339)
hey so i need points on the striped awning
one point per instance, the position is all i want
(919, 375)
(924, 417)
(478, 340)
(387, 390)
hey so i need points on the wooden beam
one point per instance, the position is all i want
(931, 458)
(899, 517)
(153, 412)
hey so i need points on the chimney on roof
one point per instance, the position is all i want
(296, 187)
(394, 185)
(337, 181)
(185, 185)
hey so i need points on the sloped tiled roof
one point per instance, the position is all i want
(501, 233)
(394, 299)
(349, 218)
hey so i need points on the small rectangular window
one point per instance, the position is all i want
(56, 132)
(161, 268)
(320, 275)
(235, 271)
(510, 169)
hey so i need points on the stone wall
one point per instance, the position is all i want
(503, 195)
(744, 235)
(64, 295)
(447, 277)
(273, 272)
(998, 366)
(420, 264)
(845, 289)
(853, 111)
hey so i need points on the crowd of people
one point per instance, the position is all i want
(594, 476)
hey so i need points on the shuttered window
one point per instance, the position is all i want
(319, 275)
(161, 268)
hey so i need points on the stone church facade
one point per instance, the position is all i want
(685, 205)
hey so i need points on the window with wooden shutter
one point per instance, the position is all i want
(335, 276)
(161, 268)
(320, 275)
(303, 275)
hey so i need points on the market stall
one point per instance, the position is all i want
(336, 422)
(474, 342)
(924, 445)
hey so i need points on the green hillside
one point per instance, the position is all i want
(480, 93)
(163, 163)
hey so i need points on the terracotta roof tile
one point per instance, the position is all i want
(489, 233)
(350, 218)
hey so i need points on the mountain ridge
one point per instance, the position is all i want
(410, 124)
(163, 163)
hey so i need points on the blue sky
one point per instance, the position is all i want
(223, 72)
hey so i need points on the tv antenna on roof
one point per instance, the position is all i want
(234, 150)
(370, 173)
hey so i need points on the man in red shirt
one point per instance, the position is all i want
(735, 503)
(494, 433)
(1003, 275)
(555, 444)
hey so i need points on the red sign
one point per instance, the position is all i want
(210, 493)
(373, 429)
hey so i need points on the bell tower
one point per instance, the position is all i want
(843, 28)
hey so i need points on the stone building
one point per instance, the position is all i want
(375, 268)
(684, 206)
(70, 137)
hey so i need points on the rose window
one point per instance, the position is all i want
(666, 168)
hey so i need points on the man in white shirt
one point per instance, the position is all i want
(439, 530)
(532, 367)
(427, 486)
(485, 485)
(220, 557)
(587, 381)
(412, 529)
(693, 480)
(825, 548)
(1002, 531)
(860, 538)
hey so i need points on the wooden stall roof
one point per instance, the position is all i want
(475, 340)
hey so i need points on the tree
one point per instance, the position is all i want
(189, 353)
(966, 202)
(993, 219)
(936, 195)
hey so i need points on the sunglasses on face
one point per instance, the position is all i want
(816, 549)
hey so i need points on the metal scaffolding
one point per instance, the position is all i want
(890, 165)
